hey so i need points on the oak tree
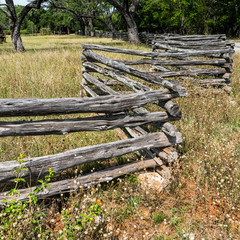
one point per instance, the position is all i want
(15, 20)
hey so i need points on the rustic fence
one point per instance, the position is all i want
(114, 109)
(207, 59)
(2, 36)
(144, 37)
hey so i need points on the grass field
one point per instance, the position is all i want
(204, 198)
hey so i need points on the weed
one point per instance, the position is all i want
(159, 217)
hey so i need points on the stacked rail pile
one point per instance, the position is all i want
(104, 76)
(205, 58)
(113, 110)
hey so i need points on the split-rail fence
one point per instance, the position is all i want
(121, 96)
(206, 59)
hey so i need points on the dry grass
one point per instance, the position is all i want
(202, 201)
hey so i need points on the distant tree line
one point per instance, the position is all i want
(154, 16)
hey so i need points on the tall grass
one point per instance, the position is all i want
(203, 200)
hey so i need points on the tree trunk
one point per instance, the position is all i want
(17, 40)
(132, 29)
(109, 24)
(128, 9)
(133, 35)
(86, 30)
(16, 20)
(85, 22)
(90, 22)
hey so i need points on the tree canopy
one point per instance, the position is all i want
(155, 16)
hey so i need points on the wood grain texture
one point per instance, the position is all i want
(132, 52)
(177, 37)
(127, 129)
(207, 43)
(167, 128)
(192, 52)
(82, 182)
(59, 162)
(134, 85)
(103, 104)
(171, 107)
(168, 155)
(100, 123)
(191, 62)
(193, 72)
(172, 85)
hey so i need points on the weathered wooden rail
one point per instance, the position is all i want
(212, 62)
(106, 81)
(206, 59)
(144, 37)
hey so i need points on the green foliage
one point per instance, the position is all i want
(14, 209)
(190, 17)
(7, 32)
(45, 31)
(91, 214)
(179, 16)
(3, 20)
(24, 31)
(158, 217)
(133, 178)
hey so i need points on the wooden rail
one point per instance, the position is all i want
(144, 37)
(113, 109)
(118, 72)
(208, 50)
(83, 182)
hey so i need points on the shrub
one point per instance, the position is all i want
(45, 31)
